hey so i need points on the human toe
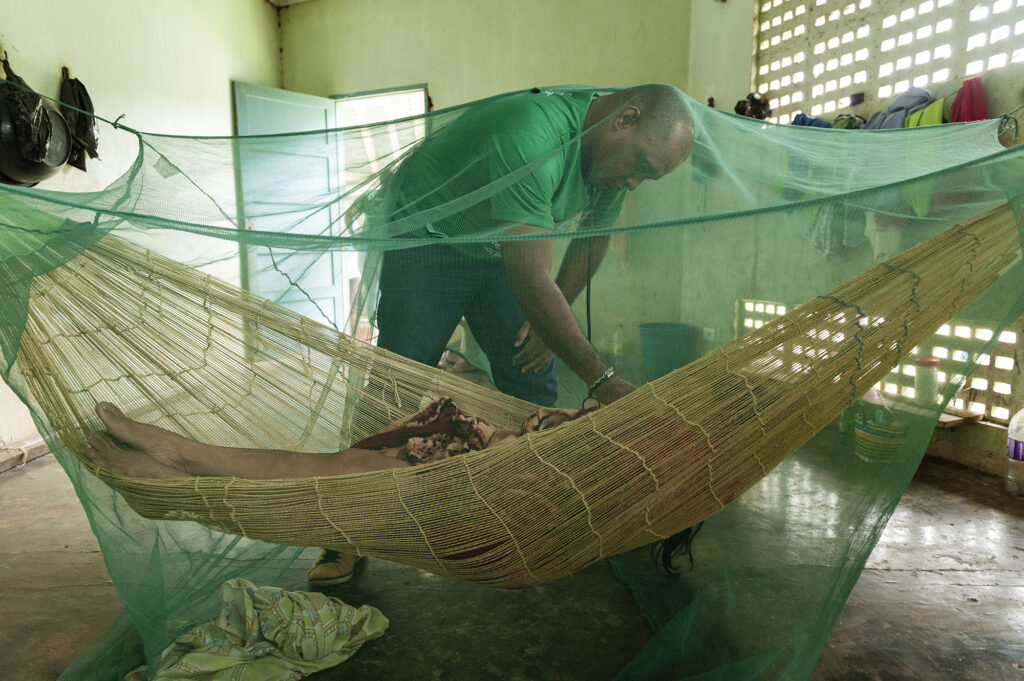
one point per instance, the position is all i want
(119, 425)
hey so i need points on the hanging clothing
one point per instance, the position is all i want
(929, 115)
(848, 122)
(919, 195)
(838, 229)
(804, 119)
(79, 118)
(969, 102)
(910, 101)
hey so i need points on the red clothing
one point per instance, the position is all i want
(969, 104)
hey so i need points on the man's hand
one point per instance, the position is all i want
(528, 264)
(612, 389)
(535, 355)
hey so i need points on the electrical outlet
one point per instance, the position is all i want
(709, 334)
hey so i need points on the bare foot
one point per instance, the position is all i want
(162, 446)
(108, 454)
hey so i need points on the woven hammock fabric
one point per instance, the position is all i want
(546, 505)
(779, 240)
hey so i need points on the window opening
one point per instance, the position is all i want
(899, 44)
(993, 390)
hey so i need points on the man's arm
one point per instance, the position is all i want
(572, 277)
(528, 264)
(574, 272)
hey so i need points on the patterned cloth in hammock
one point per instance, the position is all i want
(442, 430)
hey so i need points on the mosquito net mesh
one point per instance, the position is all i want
(822, 262)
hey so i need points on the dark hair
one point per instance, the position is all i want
(753, 107)
(664, 552)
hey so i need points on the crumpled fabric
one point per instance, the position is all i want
(32, 126)
(804, 119)
(848, 122)
(439, 431)
(969, 102)
(442, 430)
(268, 634)
(82, 125)
(910, 101)
(837, 229)
(928, 115)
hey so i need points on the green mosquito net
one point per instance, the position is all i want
(759, 220)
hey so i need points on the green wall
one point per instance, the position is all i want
(721, 45)
(166, 65)
(466, 49)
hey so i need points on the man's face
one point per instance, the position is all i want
(627, 156)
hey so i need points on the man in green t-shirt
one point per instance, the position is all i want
(516, 164)
(520, 164)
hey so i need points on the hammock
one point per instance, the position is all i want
(201, 357)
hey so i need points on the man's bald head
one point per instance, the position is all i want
(663, 108)
(639, 133)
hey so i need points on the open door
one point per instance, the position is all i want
(263, 110)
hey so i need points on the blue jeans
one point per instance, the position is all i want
(425, 292)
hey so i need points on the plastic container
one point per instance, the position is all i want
(1015, 455)
(926, 381)
(878, 438)
(667, 346)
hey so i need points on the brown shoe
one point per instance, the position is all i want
(332, 568)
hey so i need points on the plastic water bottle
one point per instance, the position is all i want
(1015, 455)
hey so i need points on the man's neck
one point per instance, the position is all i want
(601, 107)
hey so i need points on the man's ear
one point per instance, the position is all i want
(627, 117)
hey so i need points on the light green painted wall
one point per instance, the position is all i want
(467, 49)
(721, 47)
(166, 64)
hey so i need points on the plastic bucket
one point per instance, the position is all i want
(667, 346)
(877, 441)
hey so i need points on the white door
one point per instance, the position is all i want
(311, 283)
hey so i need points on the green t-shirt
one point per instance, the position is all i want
(512, 159)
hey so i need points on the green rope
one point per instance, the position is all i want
(856, 337)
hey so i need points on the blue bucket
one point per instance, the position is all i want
(667, 346)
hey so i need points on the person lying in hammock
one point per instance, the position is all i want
(133, 449)
(138, 450)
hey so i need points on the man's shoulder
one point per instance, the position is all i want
(541, 109)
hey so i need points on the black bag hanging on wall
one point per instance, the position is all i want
(82, 125)
(31, 123)
(34, 138)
